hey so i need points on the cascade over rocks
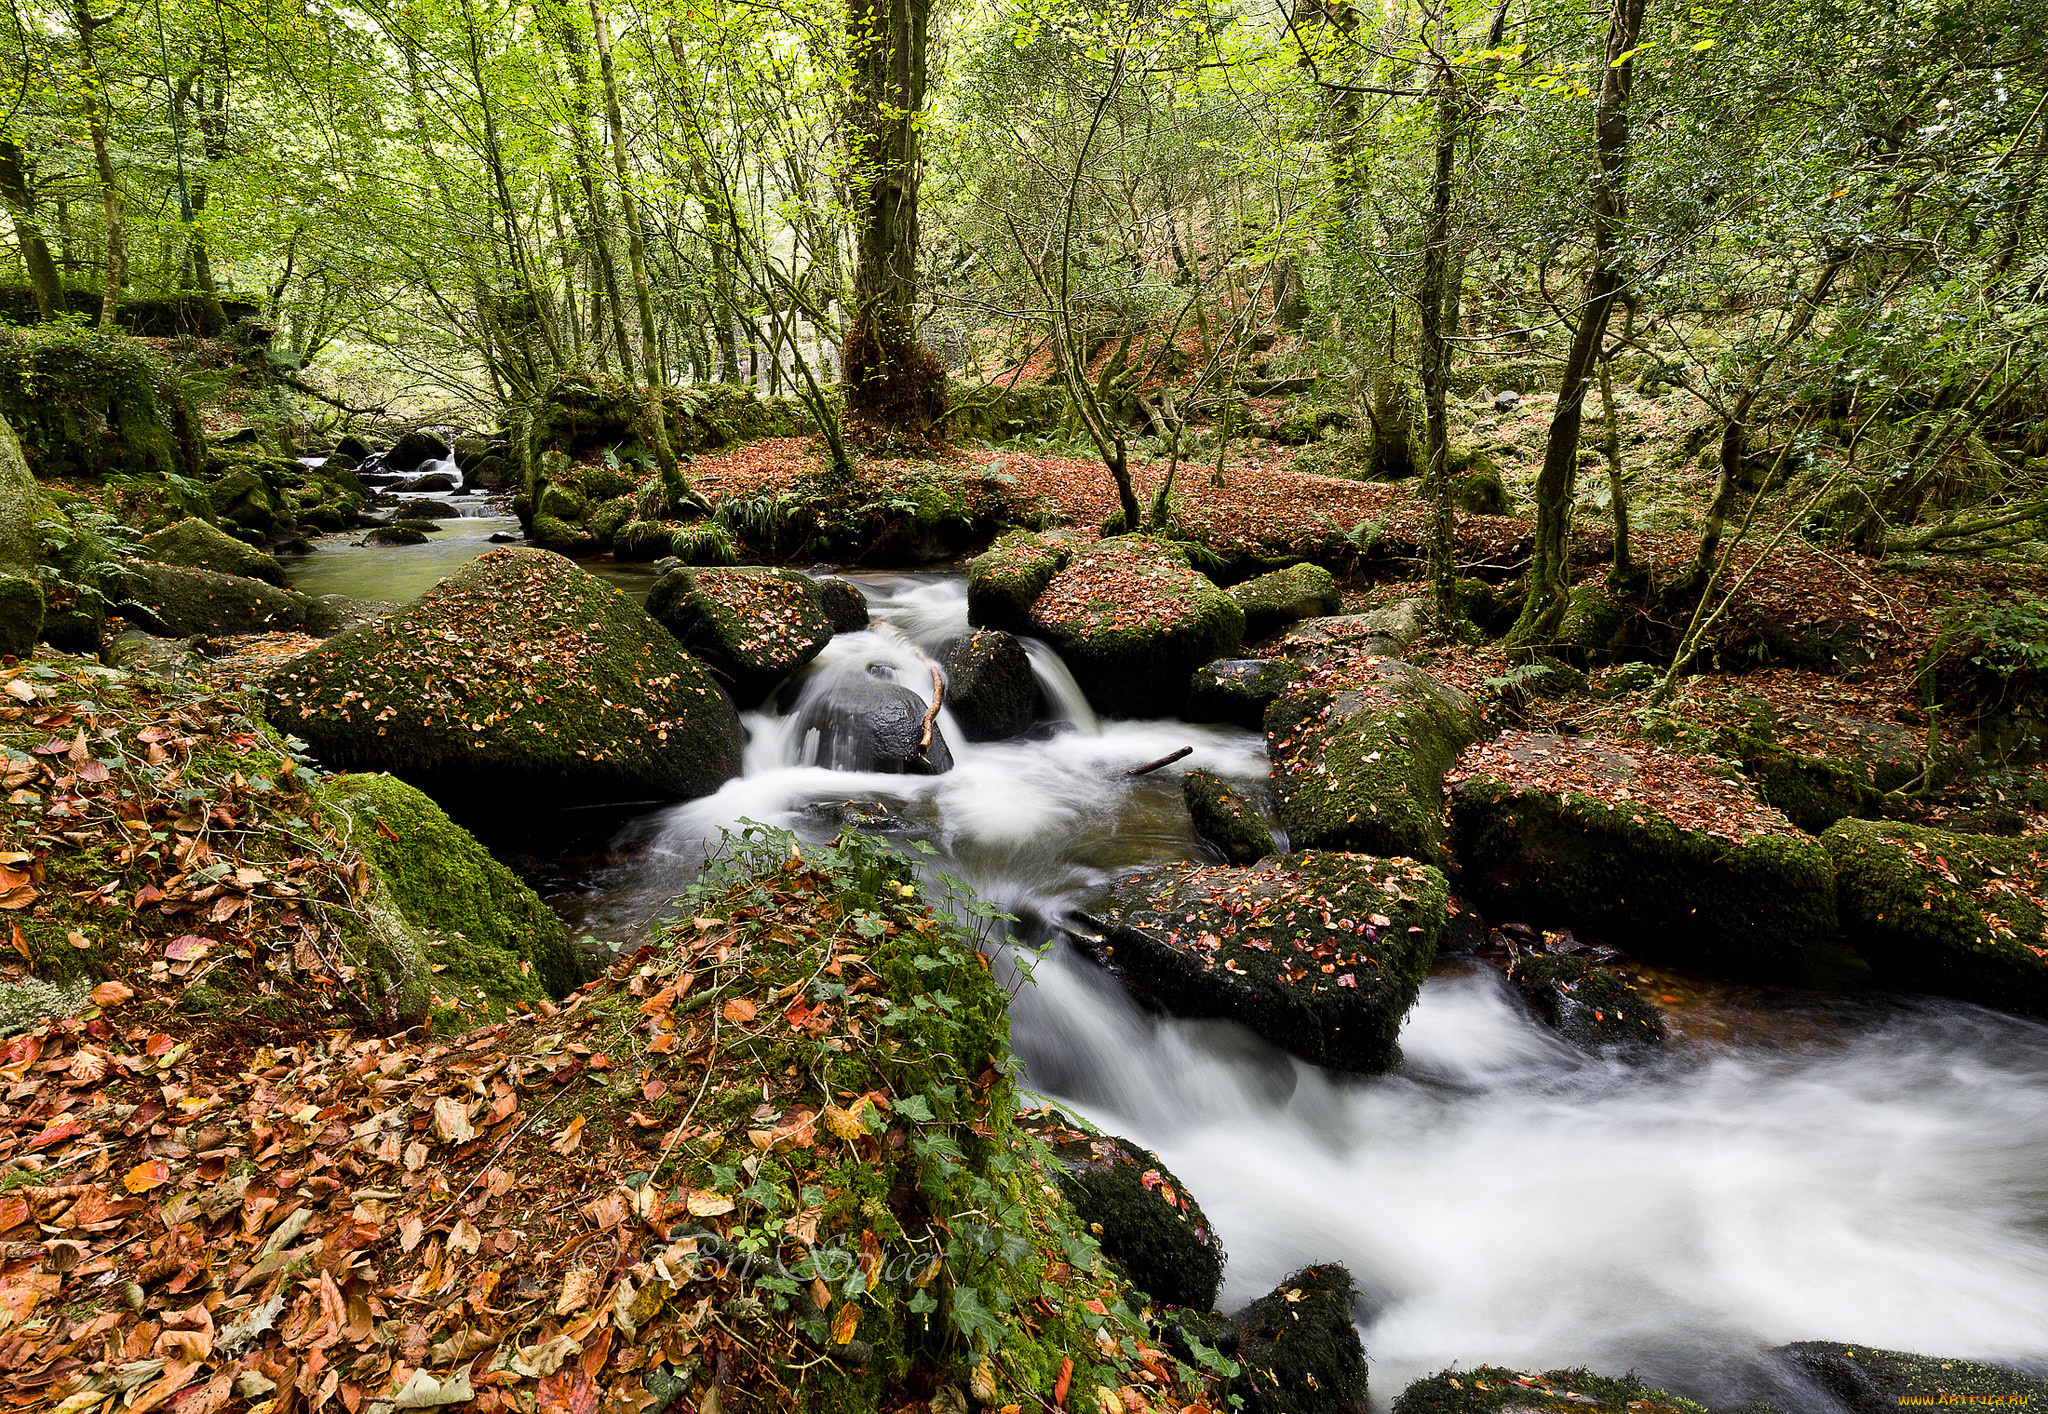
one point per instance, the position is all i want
(1360, 746)
(1143, 1216)
(1678, 865)
(1298, 1350)
(990, 687)
(754, 626)
(1320, 954)
(865, 723)
(1957, 915)
(518, 675)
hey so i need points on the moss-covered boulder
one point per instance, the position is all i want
(564, 502)
(21, 615)
(1595, 620)
(1238, 691)
(1589, 1005)
(1871, 1381)
(990, 687)
(21, 543)
(752, 626)
(519, 677)
(396, 535)
(1959, 915)
(1225, 819)
(1005, 579)
(1287, 596)
(1298, 1351)
(244, 497)
(194, 544)
(1360, 746)
(1321, 954)
(562, 537)
(90, 404)
(1141, 1214)
(174, 602)
(1133, 622)
(487, 939)
(846, 605)
(1489, 1389)
(1647, 849)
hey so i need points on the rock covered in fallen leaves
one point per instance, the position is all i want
(1143, 1216)
(1485, 1389)
(1286, 596)
(1959, 915)
(1649, 849)
(752, 625)
(1224, 818)
(1237, 691)
(1386, 631)
(1004, 580)
(1868, 1380)
(1320, 954)
(1360, 746)
(1133, 622)
(846, 604)
(196, 544)
(1298, 1350)
(175, 602)
(863, 723)
(990, 688)
(1589, 1005)
(519, 675)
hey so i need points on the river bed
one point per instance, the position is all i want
(1873, 1173)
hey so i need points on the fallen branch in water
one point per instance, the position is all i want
(1151, 766)
(931, 714)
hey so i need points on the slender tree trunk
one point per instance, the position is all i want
(1432, 306)
(1550, 567)
(20, 197)
(113, 210)
(1617, 480)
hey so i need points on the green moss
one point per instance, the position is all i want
(608, 517)
(1286, 596)
(1870, 1381)
(1594, 619)
(1321, 954)
(644, 540)
(1586, 1004)
(194, 544)
(1359, 751)
(1763, 909)
(703, 542)
(552, 533)
(563, 502)
(1488, 1388)
(1932, 911)
(397, 535)
(1004, 579)
(584, 413)
(93, 404)
(518, 674)
(493, 942)
(1238, 690)
(1225, 819)
(173, 602)
(21, 615)
(753, 626)
(21, 546)
(1298, 1351)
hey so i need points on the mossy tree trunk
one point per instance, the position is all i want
(1432, 304)
(113, 209)
(19, 194)
(1550, 567)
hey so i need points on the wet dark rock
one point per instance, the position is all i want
(499, 537)
(990, 687)
(1489, 1388)
(1238, 690)
(866, 724)
(1298, 1351)
(430, 510)
(174, 602)
(1320, 954)
(356, 448)
(396, 535)
(1588, 1005)
(1183, 1328)
(415, 449)
(752, 625)
(1143, 1216)
(434, 481)
(1871, 1381)
(1225, 819)
(1286, 596)
(845, 603)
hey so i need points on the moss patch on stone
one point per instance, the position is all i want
(753, 626)
(1586, 1004)
(1959, 915)
(1238, 690)
(174, 602)
(1871, 1381)
(88, 403)
(519, 677)
(1003, 580)
(1286, 596)
(1298, 1351)
(1321, 954)
(194, 544)
(1225, 819)
(1486, 1389)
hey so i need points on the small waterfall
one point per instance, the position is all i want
(1063, 696)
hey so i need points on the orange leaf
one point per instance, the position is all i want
(13, 1213)
(567, 1391)
(845, 1323)
(739, 1011)
(111, 994)
(153, 1173)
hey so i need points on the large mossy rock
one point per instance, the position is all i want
(1589, 1005)
(1958, 915)
(1320, 954)
(1237, 691)
(91, 404)
(1489, 1389)
(173, 602)
(485, 939)
(1298, 1351)
(1287, 596)
(1224, 818)
(1004, 580)
(846, 604)
(1360, 746)
(1648, 850)
(196, 545)
(519, 678)
(21, 593)
(583, 413)
(990, 688)
(1143, 1216)
(1133, 622)
(1871, 1381)
(753, 626)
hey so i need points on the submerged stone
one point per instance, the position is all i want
(1320, 954)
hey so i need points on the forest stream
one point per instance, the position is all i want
(1788, 1168)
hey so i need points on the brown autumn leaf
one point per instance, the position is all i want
(109, 995)
(704, 1204)
(451, 1121)
(151, 1173)
(739, 1011)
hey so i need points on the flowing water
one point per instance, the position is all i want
(1873, 1171)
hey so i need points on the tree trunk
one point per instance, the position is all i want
(113, 210)
(28, 234)
(1432, 305)
(1617, 482)
(1549, 569)
(891, 380)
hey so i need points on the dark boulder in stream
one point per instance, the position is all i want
(1224, 818)
(520, 679)
(1238, 690)
(754, 626)
(1320, 954)
(1143, 1215)
(1298, 1351)
(1486, 1389)
(1871, 1381)
(845, 604)
(174, 602)
(989, 686)
(865, 723)
(1588, 1005)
